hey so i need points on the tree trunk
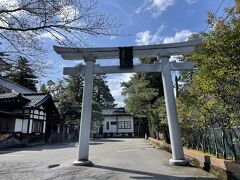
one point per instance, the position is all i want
(215, 140)
(150, 128)
(166, 132)
(233, 146)
(223, 146)
(139, 125)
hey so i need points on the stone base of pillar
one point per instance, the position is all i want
(83, 163)
(174, 162)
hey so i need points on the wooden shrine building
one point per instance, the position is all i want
(26, 117)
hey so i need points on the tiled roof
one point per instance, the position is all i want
(32, 100)
(4, 90)
(16, 96)
(8, 95)
(12, 100)
(14, 87)
(36, 99)
(114, 111)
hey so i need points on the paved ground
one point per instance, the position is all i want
(112, 158)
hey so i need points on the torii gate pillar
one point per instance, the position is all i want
(85, 124)
(174, 131)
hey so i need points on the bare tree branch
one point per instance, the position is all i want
(23, 23)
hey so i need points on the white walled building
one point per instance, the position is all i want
(116, 123)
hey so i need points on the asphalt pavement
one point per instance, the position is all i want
(116, 158)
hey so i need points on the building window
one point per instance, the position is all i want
(113, 123)
(41, 115)
(107, 126)
(124, 125)
(37, 126)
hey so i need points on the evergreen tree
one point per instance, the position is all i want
(43, 88)
(102, 94)
(22, 73)
(69, 94)
(71, 99)
(144, 96)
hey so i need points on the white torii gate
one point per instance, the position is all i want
(162, 52)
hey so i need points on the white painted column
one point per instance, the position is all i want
(68, 129)
(44, 126)
(84, 133)
(174, 131)
(30, 126)
(58, 128)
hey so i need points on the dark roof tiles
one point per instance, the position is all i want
(16, 90)
(14, 87)
(36, 99)
(114, 111)
(9, 95)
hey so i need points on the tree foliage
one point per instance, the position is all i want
(212, 99)
(144, 96)
(69, 92)
(101, 92)
(22, 73)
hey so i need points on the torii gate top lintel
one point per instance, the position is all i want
(181, 48)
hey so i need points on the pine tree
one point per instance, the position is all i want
(43, 88)
(22, 73)
(69, 94)
(144, 96)
(71, 99)
(102, 94)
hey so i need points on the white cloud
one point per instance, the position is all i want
(155, 6)
(190, 1)
(115, 87)
(178, 37)
(50, 62)
(9, 4)
(176, 58)
(68, 13)
(146, 37)
(113, 37)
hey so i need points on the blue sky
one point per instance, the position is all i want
(144, 22)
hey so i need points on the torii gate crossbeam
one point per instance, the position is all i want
(163, 52)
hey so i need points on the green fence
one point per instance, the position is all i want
(215, 142)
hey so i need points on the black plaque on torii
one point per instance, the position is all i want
(126, 57)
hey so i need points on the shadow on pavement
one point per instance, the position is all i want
(95, 143)
(38, 147)
(107, 140)
(148, 175)
(55, 146)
